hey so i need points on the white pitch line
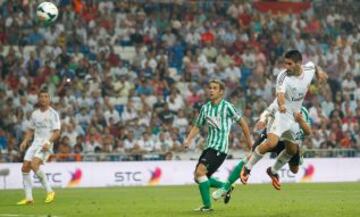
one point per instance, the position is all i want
(9, 215)
(23, 215)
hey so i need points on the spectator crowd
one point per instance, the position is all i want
(129, 77)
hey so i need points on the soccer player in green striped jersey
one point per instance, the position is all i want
(266, 117)
(219, 115)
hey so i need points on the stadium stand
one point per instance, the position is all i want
(127, 76)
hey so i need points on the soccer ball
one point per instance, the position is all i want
(47, 12)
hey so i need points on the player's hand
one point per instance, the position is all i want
(282, 109)
(186, 144)
(298, 117)
(249, 145)
(260, 125)
(322, 76)
(23, 146)
(46, 146)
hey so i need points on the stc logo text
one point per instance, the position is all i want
(52, 177)
(128, 176)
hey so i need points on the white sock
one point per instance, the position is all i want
(27, 186)
(202, 179)
(44, 181)
(281, 160)
(254, 158)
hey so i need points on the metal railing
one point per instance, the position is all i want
(321, 153)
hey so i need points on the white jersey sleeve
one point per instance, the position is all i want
(309, 70)
(281, 82)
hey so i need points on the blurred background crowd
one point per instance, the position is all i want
(128, 77)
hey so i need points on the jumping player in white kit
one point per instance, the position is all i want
(45, 127)
(291, 87)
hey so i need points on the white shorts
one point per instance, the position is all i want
(35, 151)
(290, 137)
(284, 126)
(294, 135)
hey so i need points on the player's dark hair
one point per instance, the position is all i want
(294, 55)
(219, 82)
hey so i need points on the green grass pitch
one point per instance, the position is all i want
(294, 200)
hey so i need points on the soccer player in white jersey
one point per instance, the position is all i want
(266, 118)
(219, 115)
(45, 127)
(291, 87)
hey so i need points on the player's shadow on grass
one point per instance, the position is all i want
(189, 213)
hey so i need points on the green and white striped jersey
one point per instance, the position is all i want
(219, 118)
(305, 113)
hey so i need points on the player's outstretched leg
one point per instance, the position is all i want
(253, 159)
(35, 166)
(227, 189)
(227, 196)
(26, 168)
(234, 175)
(215, 183)
(295, 162)
(257, 155)
(274, 178)
(283, 158)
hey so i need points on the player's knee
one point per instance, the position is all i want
(294, 169)
(35, 165)
(291, 149)
(26, 168)
(269, 144)
(200, 171)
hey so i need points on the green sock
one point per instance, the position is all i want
(204, 187)
(234, 175)
(215, 183)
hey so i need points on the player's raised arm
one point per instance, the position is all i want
(320, 74)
